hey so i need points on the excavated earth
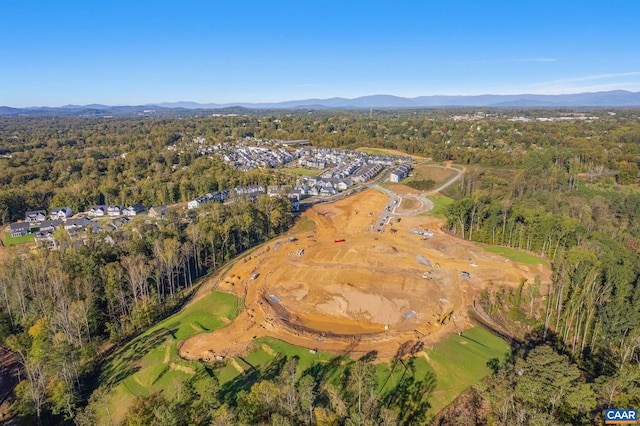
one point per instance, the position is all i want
(373, 291)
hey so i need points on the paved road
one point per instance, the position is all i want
(389, 210)
(450, 181)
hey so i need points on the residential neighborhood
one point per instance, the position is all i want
(341, 169)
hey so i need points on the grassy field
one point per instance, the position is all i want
(150, 362)
(440, 203)
(372, 151)
(460, 361)
(429, 172)
(300, 171)
(514, 254)
(12, 241)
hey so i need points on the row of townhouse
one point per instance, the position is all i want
(75, 226)
(251, 190)
(44, 230)
(62, 216)
(249, 157)
(388, 159)
(114, 210)
(219, 196)
(400, 172)
(367, 172)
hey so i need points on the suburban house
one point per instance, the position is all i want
(295, 203)
(19, 229)
(94, 227)
(219, 196)
(73, 224)
(114, 210)
(327, 191)
(44, 236)
(49, 225)
(97, 211)
(134, 210)
(344, 184)
(61, 213)
(35, 216)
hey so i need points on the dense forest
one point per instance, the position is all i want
(565, 190)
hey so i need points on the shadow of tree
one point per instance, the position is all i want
(123, 363)
(410, 397)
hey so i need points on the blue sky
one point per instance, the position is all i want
(137, 52)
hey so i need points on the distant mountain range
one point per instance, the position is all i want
(613, 99)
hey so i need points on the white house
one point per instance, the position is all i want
(35, 216)
(61, 213)
(134, 210)
(114, 210)
(97, 211)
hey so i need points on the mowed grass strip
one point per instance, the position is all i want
(460, 361)
(13, 241)
(142, 365)
(440, 203)
(515, 255)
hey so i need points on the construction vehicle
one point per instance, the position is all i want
(443, 318)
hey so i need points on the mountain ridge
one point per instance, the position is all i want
(613, 99)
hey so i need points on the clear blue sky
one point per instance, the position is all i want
(137, 52)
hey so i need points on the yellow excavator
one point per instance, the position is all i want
(443, 318)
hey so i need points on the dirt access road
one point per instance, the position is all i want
(372, 291)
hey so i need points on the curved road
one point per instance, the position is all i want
(395, 200)
(427, 205)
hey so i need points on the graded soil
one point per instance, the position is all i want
(348, 288)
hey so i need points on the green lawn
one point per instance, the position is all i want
(460, 361)
(301, 171)
(143, 365)
(515, 254)
(372, 151)
(12, 241)
(440, 203)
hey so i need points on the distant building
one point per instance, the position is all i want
(301, 142)
(218, 196)
(44, 236)
(76, 224)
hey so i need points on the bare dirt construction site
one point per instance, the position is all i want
(354, 285)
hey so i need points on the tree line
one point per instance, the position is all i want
(58, 308)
